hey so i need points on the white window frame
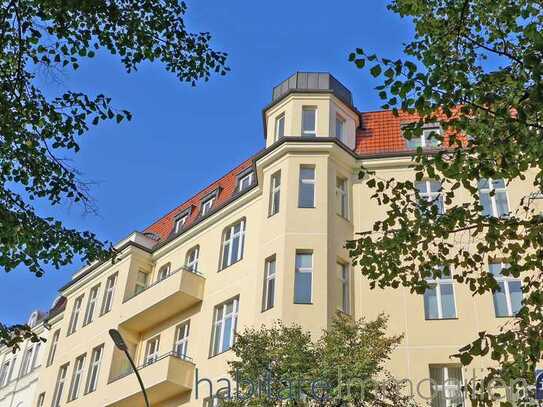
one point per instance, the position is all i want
(93, 374)
(180, 222)
(428, 195)
(77, 377)
(41, 400)
(308, 270)
(270, 274)
(4, 372)
(228, 257)
(219, 325)
(278, 120)
(181, 344)
(26, 361)
(246, 181)
(91, 304)
(207, 205)
(141, 286)
(342, 197)
(307, 181)
(59, 385)
(423, 139)
(35, 353)
(438, 282)
(192, 258)
(109, 292)
(506, 280)
(275, 190)
(340, 125)
(74, 318)
(53, 348)
(164, 272)
(492, 197)
(344, 275)
(309, 133)
(447, 389)
(152, 349)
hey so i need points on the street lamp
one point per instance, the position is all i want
(121, 345)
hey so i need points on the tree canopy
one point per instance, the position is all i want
(283, 365)
(36, 130)
(474, 67)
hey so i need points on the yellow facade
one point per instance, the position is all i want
(187, 297)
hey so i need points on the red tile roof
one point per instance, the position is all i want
(380, 132)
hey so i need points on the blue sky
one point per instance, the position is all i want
(181, 137)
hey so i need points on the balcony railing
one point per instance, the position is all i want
(180, 269)
(130, 371)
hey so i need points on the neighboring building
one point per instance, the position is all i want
(264, 242)
(19, 371)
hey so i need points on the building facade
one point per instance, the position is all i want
(265, 242)
(19, 371)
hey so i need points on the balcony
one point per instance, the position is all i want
(167, 297)
(167, 377)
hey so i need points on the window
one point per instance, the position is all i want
(342, 198)
(508, 298)
(107, 302)
(224, 326)
(275, 193)
(59, 386)
(345, 287)
(280, 127)
(309, 118)
(94, 369)
(180, 222)
(141, 282)
(35, 355)
(493, 195)
(191, 260)
(439, 297)
(207, 204)
(75, 315)
(12, 368)
(163, 272)
(245, 181)
(430, 191)
(446, 386)
(41, 400)
(306, 193)
(340, 128)
(77, 377)
(4, 370)
(25, 362)
(182, 340)
(268, 299)
(91, 305)
(53, 348)
(232, 244)
(427, 139)
(303, 278)
(151, 350)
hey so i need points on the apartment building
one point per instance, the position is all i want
(19, 371)
(264, 242)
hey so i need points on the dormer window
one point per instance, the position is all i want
(280, 127)
(340, 128)
(428, 139)
(208, 201)
(181, 219)
(309, 121)
(245, 179)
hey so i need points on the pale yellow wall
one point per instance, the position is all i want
(319, 229)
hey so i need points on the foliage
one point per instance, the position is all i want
(344, 365)
(474, 66)
(47, 36)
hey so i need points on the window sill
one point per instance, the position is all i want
(343, 217)
(442, 319)
(303, 303)
(306, 207)
(230, 265)
(220, 353)
(271, 215)
(267, 309)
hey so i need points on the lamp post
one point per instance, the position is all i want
(121, 345)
